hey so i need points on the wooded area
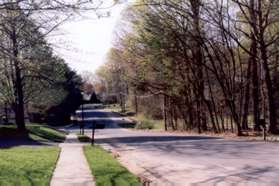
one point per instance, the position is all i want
(204, 65)
(32, 76)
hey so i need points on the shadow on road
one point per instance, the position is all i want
(246, 174)
(144, 139)
(98, 114)
(192, 146)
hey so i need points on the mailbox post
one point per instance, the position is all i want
(93, 133)
(82, 121)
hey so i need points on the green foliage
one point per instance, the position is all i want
(30, 73)
(199, 60)
(107, 170)
(26, 166)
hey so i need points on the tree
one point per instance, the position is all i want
(24, 25)
(203, 58)
(21, 51)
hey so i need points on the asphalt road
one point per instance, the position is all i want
(169, 159)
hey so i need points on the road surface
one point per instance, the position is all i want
(171, 159)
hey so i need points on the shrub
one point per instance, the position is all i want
(145, 124)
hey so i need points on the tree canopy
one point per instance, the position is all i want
(211, 64)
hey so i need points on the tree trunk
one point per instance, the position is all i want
(136, 101)
(246, 97)
(270, 91)
(18, 85)
(199, 63)
(254, 61)
(165, 113)
(271, 101)
(20, 121)
(6, 114)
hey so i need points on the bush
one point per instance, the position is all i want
(145, 124)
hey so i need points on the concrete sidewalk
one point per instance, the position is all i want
(72, 168)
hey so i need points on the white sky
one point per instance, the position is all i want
(85, 42)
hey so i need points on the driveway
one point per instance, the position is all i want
(171, 159)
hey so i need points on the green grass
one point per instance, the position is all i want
(26, 166)
(36, 132)
(45, 133)
(107, 170)
(83, 138)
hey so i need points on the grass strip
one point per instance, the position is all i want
(107, 170)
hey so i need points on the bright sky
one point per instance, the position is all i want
(86, 41)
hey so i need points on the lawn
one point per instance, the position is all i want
(35, 132)
(26, 166)
(107, 170)
(45, 133)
